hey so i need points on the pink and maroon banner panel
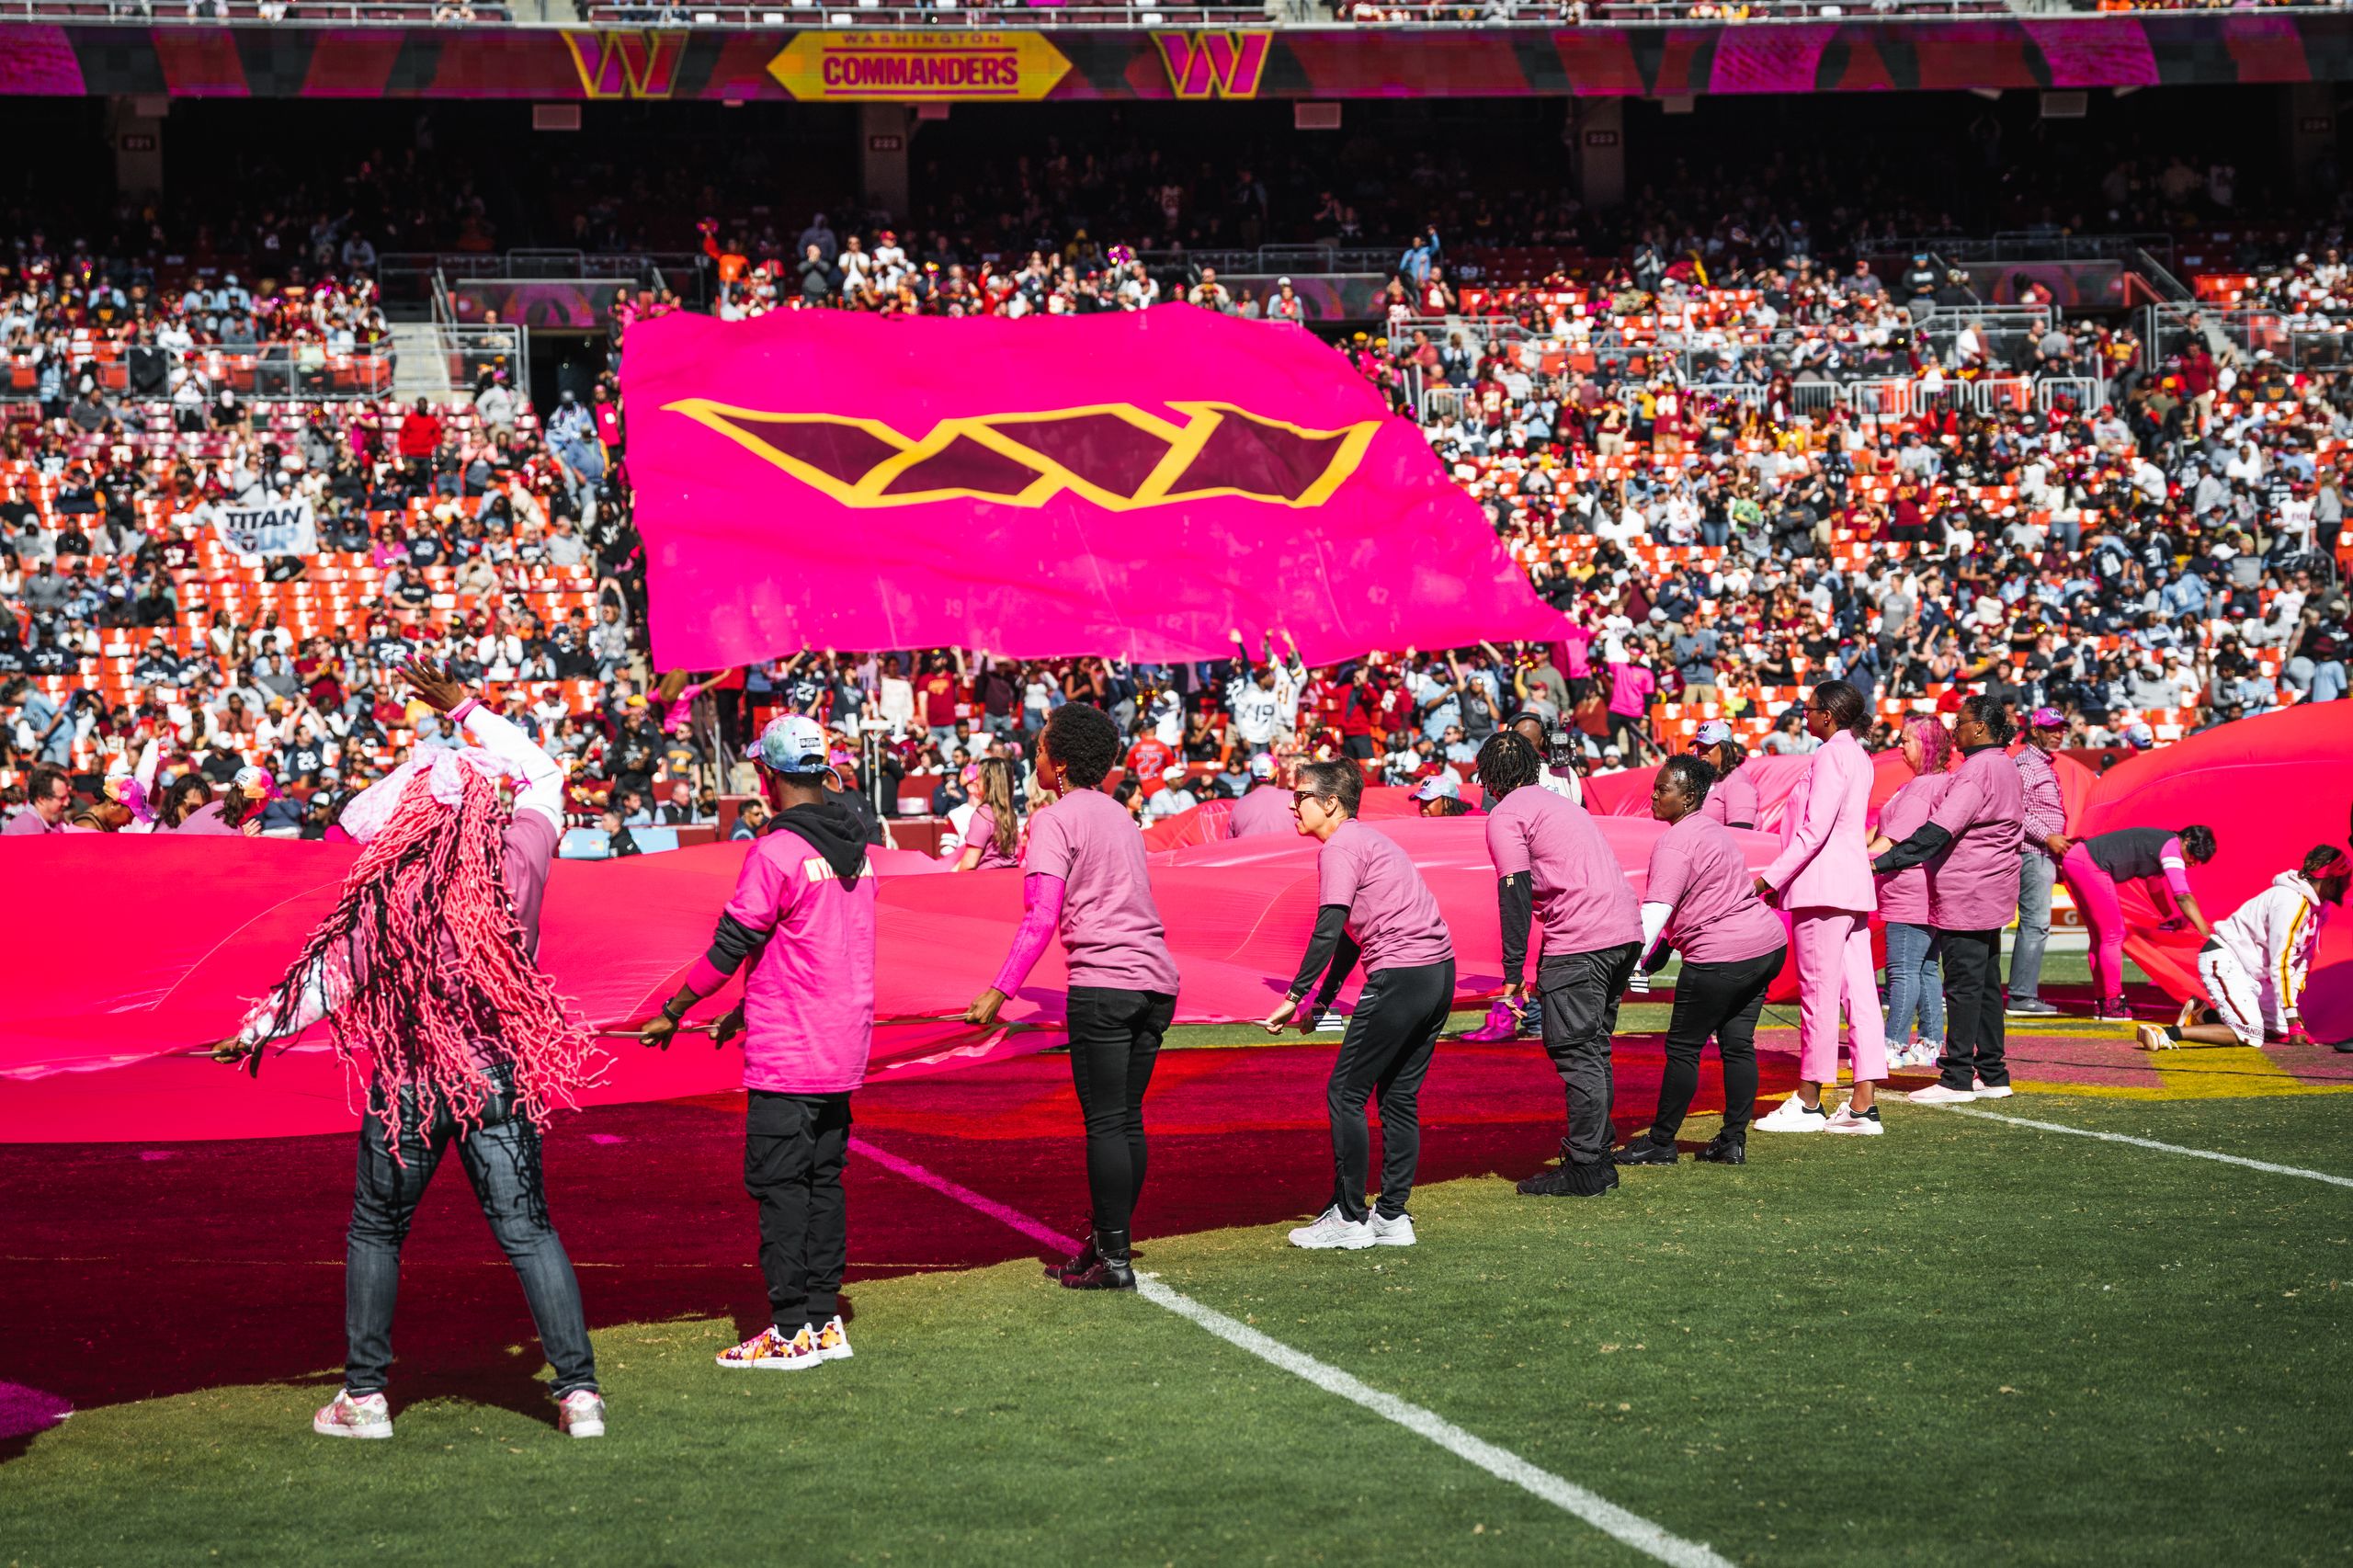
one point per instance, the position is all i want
(1133, 484)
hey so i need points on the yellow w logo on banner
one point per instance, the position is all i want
(1116, 455)
(626, 64)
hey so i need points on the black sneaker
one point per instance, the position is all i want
(1641, 1149)
(1725, 1149)
(1565, 1180)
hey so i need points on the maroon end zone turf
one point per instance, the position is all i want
(221, 1262)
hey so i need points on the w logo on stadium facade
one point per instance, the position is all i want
(1223, 65)
(632, 63)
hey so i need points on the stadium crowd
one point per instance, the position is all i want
(1736, 470)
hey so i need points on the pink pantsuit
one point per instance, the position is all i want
(1823, 877)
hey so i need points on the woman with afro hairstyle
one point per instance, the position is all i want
(1085, 876)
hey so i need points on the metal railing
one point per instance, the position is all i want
(409, 275)
(1884, 397)
(1304, 259)
(468, 351)
(267, 372)
(956, 14)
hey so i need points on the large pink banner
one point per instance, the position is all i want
(1129, 484)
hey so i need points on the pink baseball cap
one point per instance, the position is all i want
(2047, 719)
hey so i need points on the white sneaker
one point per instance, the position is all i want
(1854, 1123)
(1330, 1023)
(772, 1352)
(1936, 1094)
(581, 1414)
(1332, 1229)
(1792, 1116)
(1926, 1053)
(1397, 1232)
(354, 1416)
(1985, 1091)
(2154, 1038)
(832, 1340)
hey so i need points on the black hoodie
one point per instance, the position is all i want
(833, 829)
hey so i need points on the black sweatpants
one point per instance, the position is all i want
(794, 1148)
(1581, 996)
(1722, 1000)
(1114, 1040)
(1387, 1049)
(1973, 1045)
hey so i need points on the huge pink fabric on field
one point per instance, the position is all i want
(2270, 788)
(114, 985)
(1134, 483)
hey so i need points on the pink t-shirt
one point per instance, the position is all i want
(28, 821)
(1582, 899)
(1630, 686)
(809, 999)
(1266, 809)
(1576, 652)
(981, 833)
(1904, 897)
(1973, 884)
(1732, 799)
(1698, 871)
(1393, 919)
(207, 820)
(1110, 928)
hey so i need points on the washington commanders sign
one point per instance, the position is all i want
(846, 67)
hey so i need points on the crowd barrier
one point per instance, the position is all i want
(267, 372)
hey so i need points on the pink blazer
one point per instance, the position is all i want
(1825, 864)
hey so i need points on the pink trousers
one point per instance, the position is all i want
(2094, 894)
(1834, 948)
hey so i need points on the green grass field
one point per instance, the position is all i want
(1965, 1343)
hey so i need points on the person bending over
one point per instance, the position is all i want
(2253, 964)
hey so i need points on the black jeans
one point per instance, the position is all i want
(1581, 996)
(1722, 1000)
(1972, 1008)
(1387, 1048)
(502, 1160)
(794, 1148)
(1114, 1040)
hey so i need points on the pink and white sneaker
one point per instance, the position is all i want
(354, 1416)
(581, 1414)
(772, 1352)
(1503, 1023)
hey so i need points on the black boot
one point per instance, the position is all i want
(1726, 1148)
(1110, 1272)
(1084, 1258)
(1645, 1149)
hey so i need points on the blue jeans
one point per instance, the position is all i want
(1915, 984)
(2035, 872)
(502, 1160)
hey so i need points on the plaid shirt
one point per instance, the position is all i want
(2046, 809)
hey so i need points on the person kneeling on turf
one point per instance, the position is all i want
(803, 912)
(1370, 903)
(2254, 965)
(1700, 898)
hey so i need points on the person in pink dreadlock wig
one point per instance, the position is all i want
(428, 965)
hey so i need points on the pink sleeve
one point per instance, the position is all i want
(2176, 868)
(1042, 911)
(1813, 833)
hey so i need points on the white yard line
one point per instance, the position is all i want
(1649, 1538)
(2152, 1143)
